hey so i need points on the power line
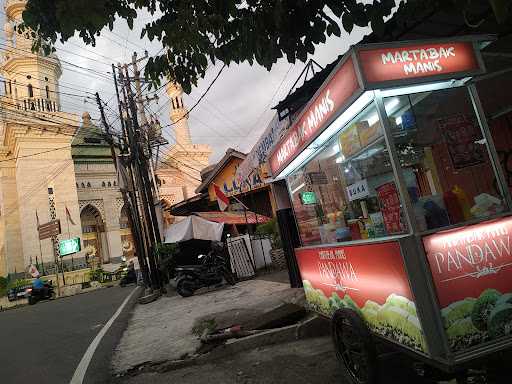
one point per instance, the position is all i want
(34, 154)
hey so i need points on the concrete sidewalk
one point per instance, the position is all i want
(163, 330)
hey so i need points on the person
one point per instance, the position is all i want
(39, 285)
(136, 266)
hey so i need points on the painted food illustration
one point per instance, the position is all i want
(395, 319)
(473, 321)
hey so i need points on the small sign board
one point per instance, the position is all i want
(358, 190)
(308, 198)
(69, 246)
(49, 229)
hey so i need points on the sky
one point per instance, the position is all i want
(235, 111)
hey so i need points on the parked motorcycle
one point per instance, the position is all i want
(46, 293)
(129, 278)
(211, 272)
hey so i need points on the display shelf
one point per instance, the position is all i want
(363, 150)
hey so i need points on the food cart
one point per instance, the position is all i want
(401, 205)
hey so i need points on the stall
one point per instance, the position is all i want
(401, 206)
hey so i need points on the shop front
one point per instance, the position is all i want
(400, 203)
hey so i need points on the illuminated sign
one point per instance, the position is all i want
(308, 198)
(416, 61)
(69, 246)
(332, 98)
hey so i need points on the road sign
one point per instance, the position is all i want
(49, 229)
(69, 246)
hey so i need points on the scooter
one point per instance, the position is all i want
(211, 272)
(46, 293)
(129, 278)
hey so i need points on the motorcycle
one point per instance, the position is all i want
(211, 272)
(129, 278)
(46, 293)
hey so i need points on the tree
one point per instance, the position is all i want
(195, 32)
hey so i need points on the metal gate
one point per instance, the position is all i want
(242, 263)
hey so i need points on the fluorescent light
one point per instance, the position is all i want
(373, 119)
(422, 88)
(398, 120)
(298, 188)
(342, 120)
(336, 148)
(340, 159)
(391, 104)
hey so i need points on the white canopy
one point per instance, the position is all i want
(193, 227)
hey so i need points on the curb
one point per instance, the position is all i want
(312, 326)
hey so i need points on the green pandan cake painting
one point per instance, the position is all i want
(473, 321)
(395, 319)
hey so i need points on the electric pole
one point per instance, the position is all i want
(133, 220)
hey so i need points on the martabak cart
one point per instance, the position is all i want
(401, 205)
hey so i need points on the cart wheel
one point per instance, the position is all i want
(185, 287)
(354, 347)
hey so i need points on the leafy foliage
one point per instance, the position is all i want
(167, 259)
(194, 32)
(270, 228)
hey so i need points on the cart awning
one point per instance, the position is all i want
(193, 227)
(233, 217)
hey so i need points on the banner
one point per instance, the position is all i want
(371, 280)
(472, 272)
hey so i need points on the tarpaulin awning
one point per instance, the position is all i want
(193, 227)
(233, 217)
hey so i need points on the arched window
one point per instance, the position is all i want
(115, 183)
(103, 184)
(109, 184)
(88, 185)
(30, 90)
(83, 185)
(47, 92)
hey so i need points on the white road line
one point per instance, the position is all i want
(81, 369)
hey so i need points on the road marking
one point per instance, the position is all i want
(81, 369)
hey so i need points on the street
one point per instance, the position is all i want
(44, 343)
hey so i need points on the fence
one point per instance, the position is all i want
(249, 254)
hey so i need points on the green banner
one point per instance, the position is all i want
(69, 246)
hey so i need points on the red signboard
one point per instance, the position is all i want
(332, 97)
(369, 279)
(366, 272)
(390, 207)
(464, 262)
(472, 272)
(417, 61)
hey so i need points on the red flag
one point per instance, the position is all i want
(68, 216)
(222, 199)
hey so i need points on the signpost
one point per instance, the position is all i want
(69, 246)
(49, 229)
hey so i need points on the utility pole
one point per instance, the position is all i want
(133, 220)
(141, 176)
(144, 122)
(139, 197)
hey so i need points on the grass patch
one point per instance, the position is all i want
(208, 325)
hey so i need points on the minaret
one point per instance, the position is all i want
(35, 151)
(185, 159)
(179, 114)
(30, 80)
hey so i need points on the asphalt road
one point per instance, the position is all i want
(45, 342)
